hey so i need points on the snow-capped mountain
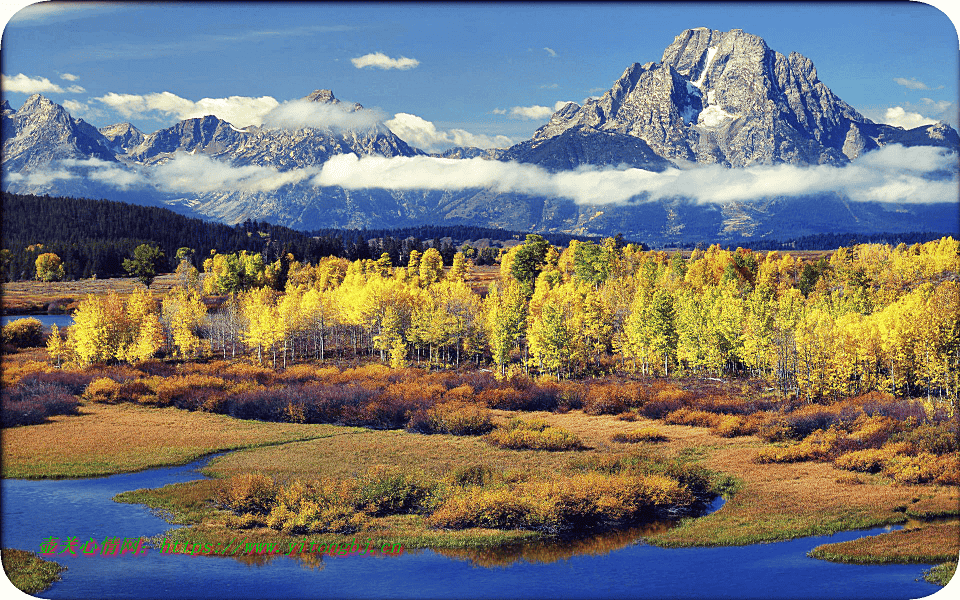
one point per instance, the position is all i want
(717, 105)
(727, 98)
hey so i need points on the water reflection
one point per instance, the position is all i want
(548, 551)
(553, 550)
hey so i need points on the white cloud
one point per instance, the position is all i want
(196, 173)
(380, 60)
(938, 105)
(911, 83)
(29, 85)
(914, 84)
(424, 135)
(536, 111)
(69, 76)
(550, 86)
(297, 114)
(237, 110)
(551, 52)
(899, 117)
(499, 111)
(893, 174)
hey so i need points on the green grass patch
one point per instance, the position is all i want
(933, 543)
(28, 572)
(941, 574)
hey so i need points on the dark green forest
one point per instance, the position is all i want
(93, 237)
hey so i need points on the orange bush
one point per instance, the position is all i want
(697, 418)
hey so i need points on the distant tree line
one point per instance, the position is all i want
(829, 241)
(94, 237)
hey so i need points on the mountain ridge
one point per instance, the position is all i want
(716, 99)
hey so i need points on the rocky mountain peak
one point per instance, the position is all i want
(726, 97)
(322, 96)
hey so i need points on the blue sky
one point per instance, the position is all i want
(458, 74)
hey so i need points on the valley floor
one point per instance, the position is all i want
(766, 502)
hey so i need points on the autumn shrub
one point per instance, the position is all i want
(502, 398)
(312, 507)
(575, 502)
(570, 395)
(817, 446)
(13, 372)
(456, 417)
(667, 399)
(248, 493)
(182, 391)
(921, 468)
(949, 467)
(262, 404)
(500, 508)
(737, 425)
(607, 399)
(110, 391)
(387, 490)
(23, 333)
(870, 460)
(157, 368)
(646, 434)
(935, 438)
(30, 403)
(73, 382)
(689, 416)
(873, 431)
(534, 434)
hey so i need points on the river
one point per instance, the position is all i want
(619, 565)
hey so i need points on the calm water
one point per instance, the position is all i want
(60, 321)
(619, 565)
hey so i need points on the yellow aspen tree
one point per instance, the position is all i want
(143, 337)
(384, 265)
(293, 320)
(56, 348)
(460, 268)
(503, 320)
(89, 336)
(264, 321)
(431, 267)
(184, 315)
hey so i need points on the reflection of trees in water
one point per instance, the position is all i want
(308, 560)
(552, 551)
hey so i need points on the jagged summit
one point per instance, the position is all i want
(727, 98)
(324, 96)
(327, 97)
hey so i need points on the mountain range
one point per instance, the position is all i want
(723, 139)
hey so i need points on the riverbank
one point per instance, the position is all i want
(771, 501)
(28, 572)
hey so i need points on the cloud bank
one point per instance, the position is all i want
(893, 174)
(299, 114)
(424, 134)
(35, 85)
(379, 60)
(241, 111)
(535, 112)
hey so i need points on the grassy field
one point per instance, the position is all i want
(773, 502)
(28, 572)
(106, 439)
(34, 297)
